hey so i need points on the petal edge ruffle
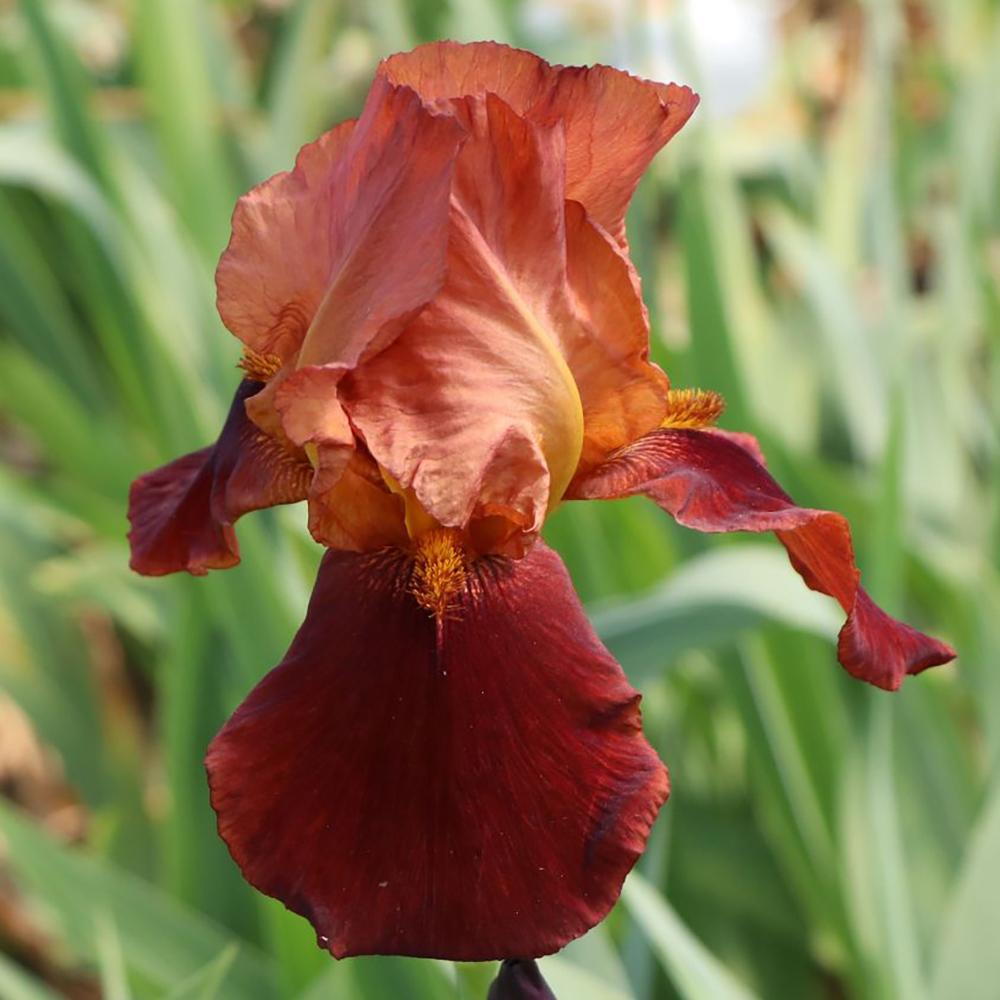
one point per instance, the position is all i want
(471, 787)
(711, 481)
(182, 513)
(615, 123)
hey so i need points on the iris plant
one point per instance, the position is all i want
(444, 339)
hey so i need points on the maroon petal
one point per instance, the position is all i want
(471, 787)
(711, 481)
(182, 514)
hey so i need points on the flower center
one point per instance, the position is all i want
(439, 570)
(693, 409)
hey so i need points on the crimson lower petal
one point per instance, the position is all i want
(471, 787)
(714, 481)
(182, 513)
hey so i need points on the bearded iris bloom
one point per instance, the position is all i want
(444, 339)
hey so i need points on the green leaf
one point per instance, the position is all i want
(173, 59)
(713, 599)
(206, 984)
(570, 980)
(891, 888)
(855, 377)
(161, 939)
(693, 970)
(68, 90)
(110, 959)
(967, 963)
(16, 984)
(386, 976)
(295, 109)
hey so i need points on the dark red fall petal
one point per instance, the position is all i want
(711, 482)
(182, 514)
(468, 788)
(519, 980)
(746, 441)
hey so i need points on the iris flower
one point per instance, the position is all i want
(443, 339)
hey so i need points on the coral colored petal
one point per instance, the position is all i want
(468, 788)
(474, 406)
(358, 512)
(606, 342)
(312, 417)
(443, 70)
(540, 328)
(274, 273)
(334, 257)
(614, 123)
(350, 505)
(710, 482)
(389, 228)
(182, 514)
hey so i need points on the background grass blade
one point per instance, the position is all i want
(966, 960)
(19, 985)
(160, 938)
(692, 969)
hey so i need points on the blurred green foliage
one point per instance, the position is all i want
(828, 257)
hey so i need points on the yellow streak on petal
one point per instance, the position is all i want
(418, 520)
(562, 439)
(439, 570)
(693, 409)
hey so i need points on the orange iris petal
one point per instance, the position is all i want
(614, 123)
(274, 273)
(474, 405)
(454, 260)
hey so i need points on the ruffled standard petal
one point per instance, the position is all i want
(273, 274)
(711, 482)
(606, 342)
(388, 233)
(337, 254)
(359, 512)
(350, 505)
(182, 514)
(471, 787)
(615, 123)
(534, 356)
(474, 407)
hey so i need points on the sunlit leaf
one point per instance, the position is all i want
(694, 971)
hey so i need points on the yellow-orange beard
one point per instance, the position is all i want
(439, 570)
